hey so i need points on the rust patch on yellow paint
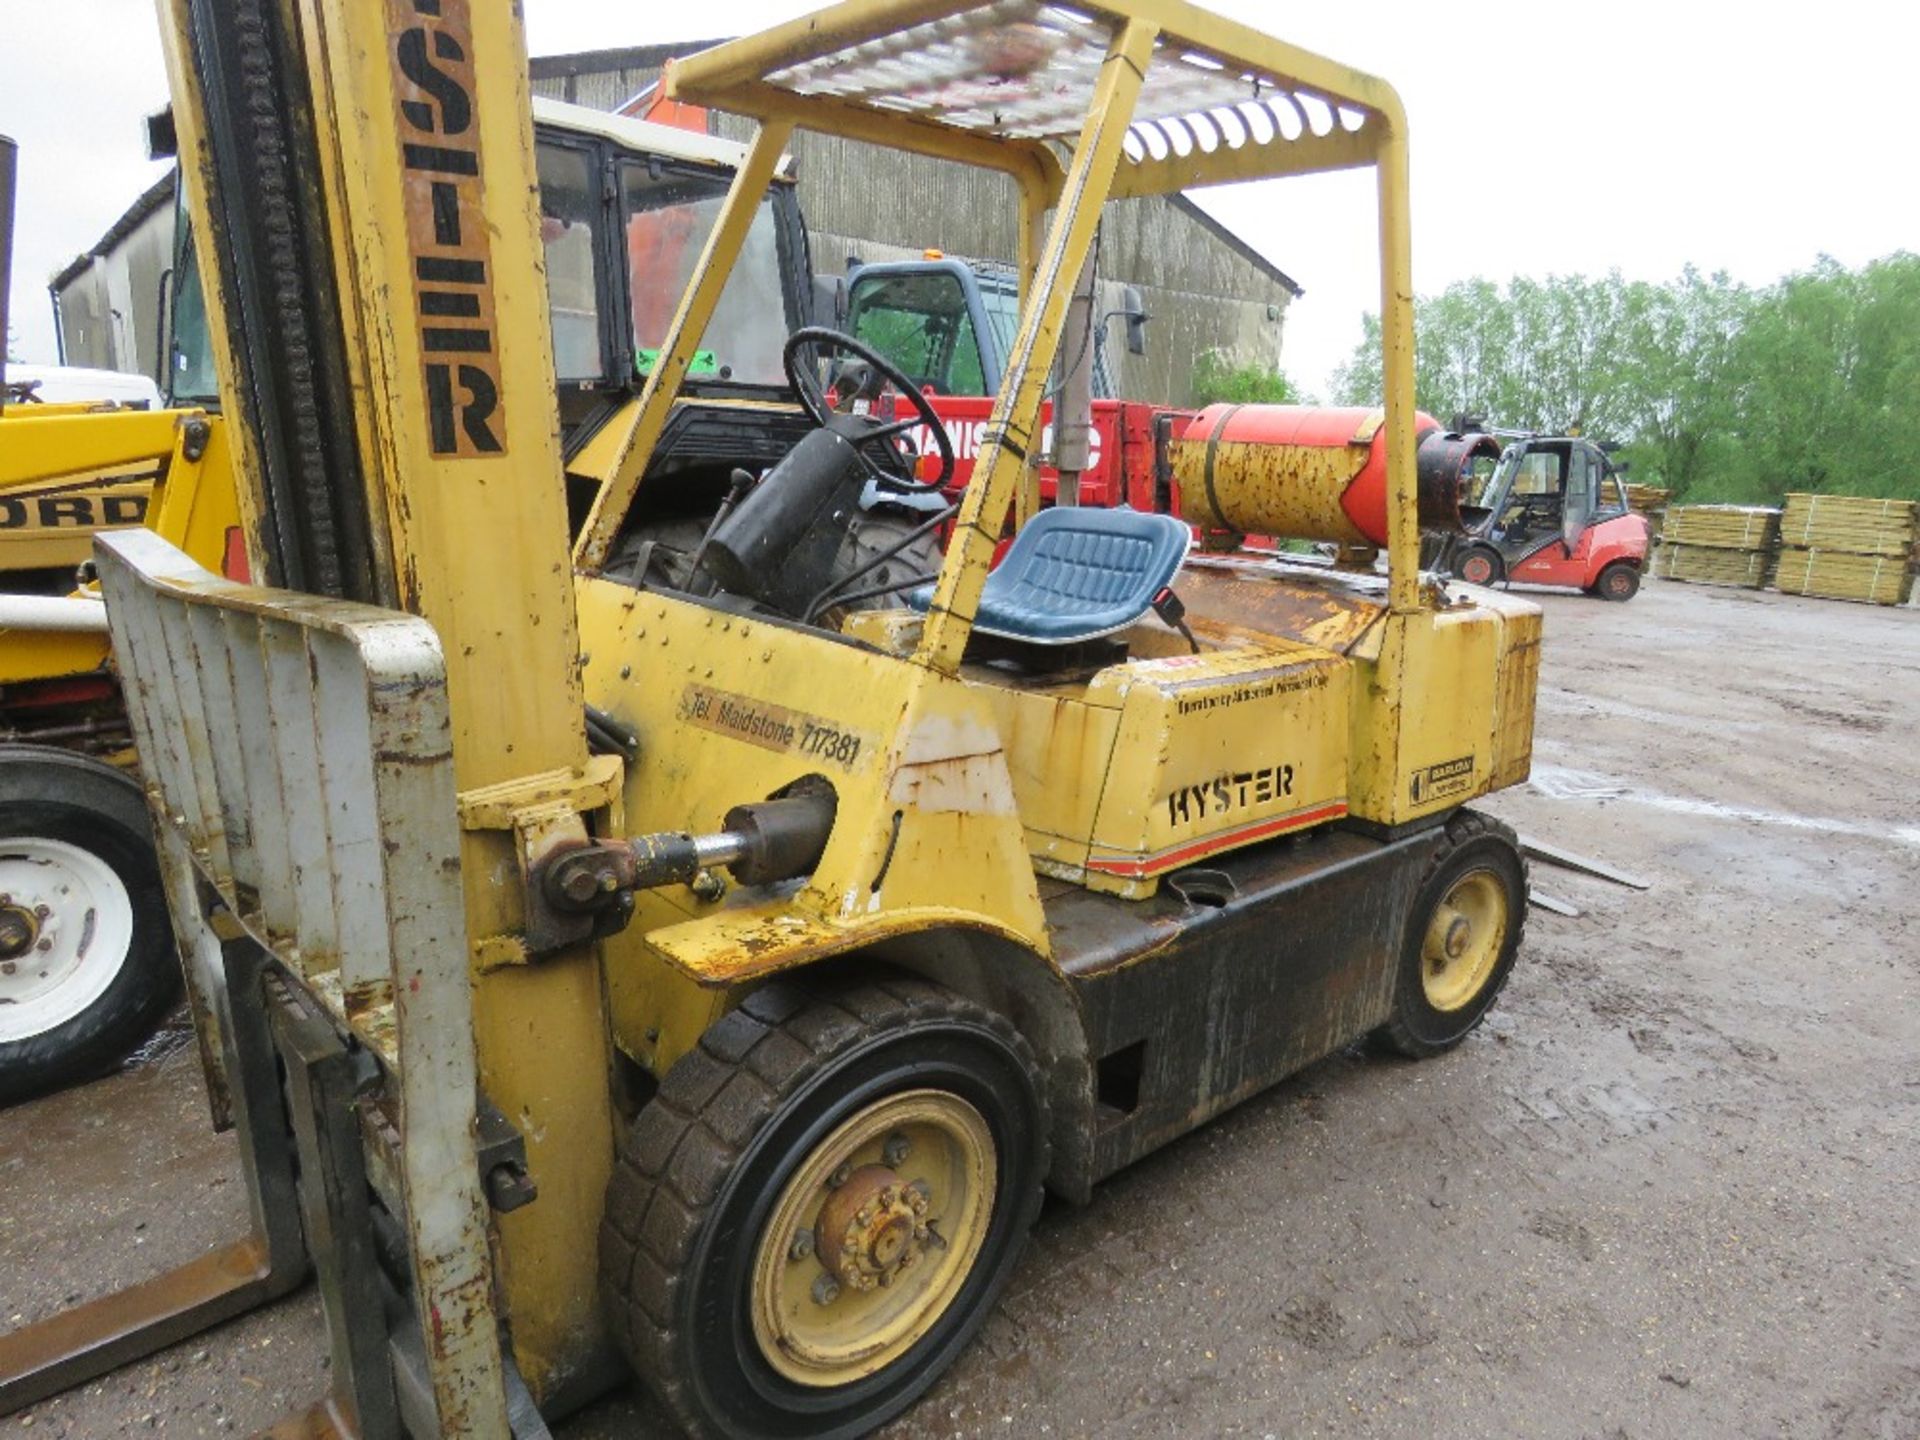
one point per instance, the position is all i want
(1330, 611)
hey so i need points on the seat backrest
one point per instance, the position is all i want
(1072, 557)
(1074, 573)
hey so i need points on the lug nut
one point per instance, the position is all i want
(826, 1290)
(801, 1246)
(839, 1177)
(896, 1151)
(41, 912)
(7, 967)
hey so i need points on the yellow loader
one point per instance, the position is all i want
(734, 1037)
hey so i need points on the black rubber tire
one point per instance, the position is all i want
(1468, 555)
(707, 1157)
(1619, 582)
(62, 796)
(1472, 841)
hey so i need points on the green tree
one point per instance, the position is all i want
(1830, 377)
(1217, 380)
(1680, 376)
(1719, 391)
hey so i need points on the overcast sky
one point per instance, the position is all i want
(1546, 137)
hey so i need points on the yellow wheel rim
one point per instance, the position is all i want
(1463, 940)
(873, 1237)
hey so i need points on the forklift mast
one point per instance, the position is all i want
(372, 171)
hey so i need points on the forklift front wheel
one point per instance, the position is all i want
(819, 1207)
(1479, 565)
(1619, 581)
(1462, 937)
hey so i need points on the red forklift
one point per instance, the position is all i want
(1552, 511)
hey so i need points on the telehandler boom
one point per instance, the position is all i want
(742, 1050)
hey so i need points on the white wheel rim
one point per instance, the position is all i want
(81, 919)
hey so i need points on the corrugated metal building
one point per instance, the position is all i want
(108, 301)
(1206, 289)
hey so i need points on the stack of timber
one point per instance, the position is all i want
(1719, 545)
(1724, 527)
(1849, 547)
(1650, 501)
(1711, 565)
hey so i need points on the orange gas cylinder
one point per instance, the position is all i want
(1314, 472)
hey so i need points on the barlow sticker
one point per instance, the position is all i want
(1437, 782)
(446, 227)
(771, 727)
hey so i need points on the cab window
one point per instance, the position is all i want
(1003, 317)
(1540, 472)
(567, 210)
(1613, 491)
(191, 379)
(669, 213)
(1477, 483)
(921, 323)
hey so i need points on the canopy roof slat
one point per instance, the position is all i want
(1009, 82)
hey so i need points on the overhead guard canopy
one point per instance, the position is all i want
(1080, 104)
(1008, 85)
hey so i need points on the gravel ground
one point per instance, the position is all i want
(1667, 1190)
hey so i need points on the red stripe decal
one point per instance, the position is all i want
(1259, 830)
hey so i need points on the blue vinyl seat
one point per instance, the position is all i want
(1075, 574)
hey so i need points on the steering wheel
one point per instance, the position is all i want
(805, 381)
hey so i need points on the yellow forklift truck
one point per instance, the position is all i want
(742, 1050)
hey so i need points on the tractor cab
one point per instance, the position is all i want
(948, 323)
(1553, 511)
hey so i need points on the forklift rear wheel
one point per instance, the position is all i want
(1619, 581)
(1479, 565)
(87, 964)
(1462, 937)
(820, 1206)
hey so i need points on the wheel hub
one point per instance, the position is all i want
(873, 1227)
(19, 929)
(1464, 937)
(872, 1237)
